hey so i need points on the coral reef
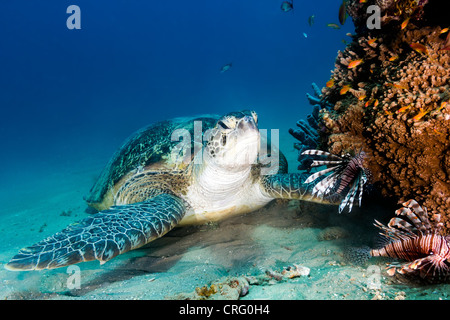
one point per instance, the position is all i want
(308, 131)
(397, 107)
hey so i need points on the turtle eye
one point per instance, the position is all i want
(222, 124)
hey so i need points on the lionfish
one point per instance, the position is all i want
(418, 241)
(344, 172)
(415, 240)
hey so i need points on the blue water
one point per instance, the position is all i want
(70, 94)
(69, 98)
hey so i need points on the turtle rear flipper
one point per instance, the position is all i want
(105, 235)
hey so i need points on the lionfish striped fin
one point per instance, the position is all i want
(422, 212)
(383, 228)
(327, 184)
(392, 233)
(435, 265)
(402, 225)
(349, 198)
(317, 163)
(318, 174)
(391, 270)
(419, 218)
(394, 267)
(362, 182)
(410, 215)
(346, 172)
(314, 152)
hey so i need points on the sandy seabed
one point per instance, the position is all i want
(274, 238)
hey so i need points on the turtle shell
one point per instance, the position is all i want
(150, 148)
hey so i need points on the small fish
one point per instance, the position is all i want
(396, 85)
(226, 67)
(388, 113)
(349, 34)
(330, 83)
(362, 97)
(362, 1)
(368, 103)
(342, 13)
(403, 109)
(371, 41)
(354, 63)
(375, 104)
(344, 89)
(311, 20)
(419, 48)
(393, 58)
(305, 35)
(444, 30)
(404, 23)
(287, 6)
(420, 115)
(333, 25)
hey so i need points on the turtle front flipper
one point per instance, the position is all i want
(294, 186)
(104, 235)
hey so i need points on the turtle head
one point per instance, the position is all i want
(235, 140)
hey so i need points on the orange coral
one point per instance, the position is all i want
(407, 132)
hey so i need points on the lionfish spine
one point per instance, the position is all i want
(314, 152)
(318, 174)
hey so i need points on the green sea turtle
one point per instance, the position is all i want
(156, 181)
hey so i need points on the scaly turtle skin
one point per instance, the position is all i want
(155, 182)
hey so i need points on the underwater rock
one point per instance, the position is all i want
(295, 271)
(397, 111)
(289, 272)
(232, 288)
(228, 288)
